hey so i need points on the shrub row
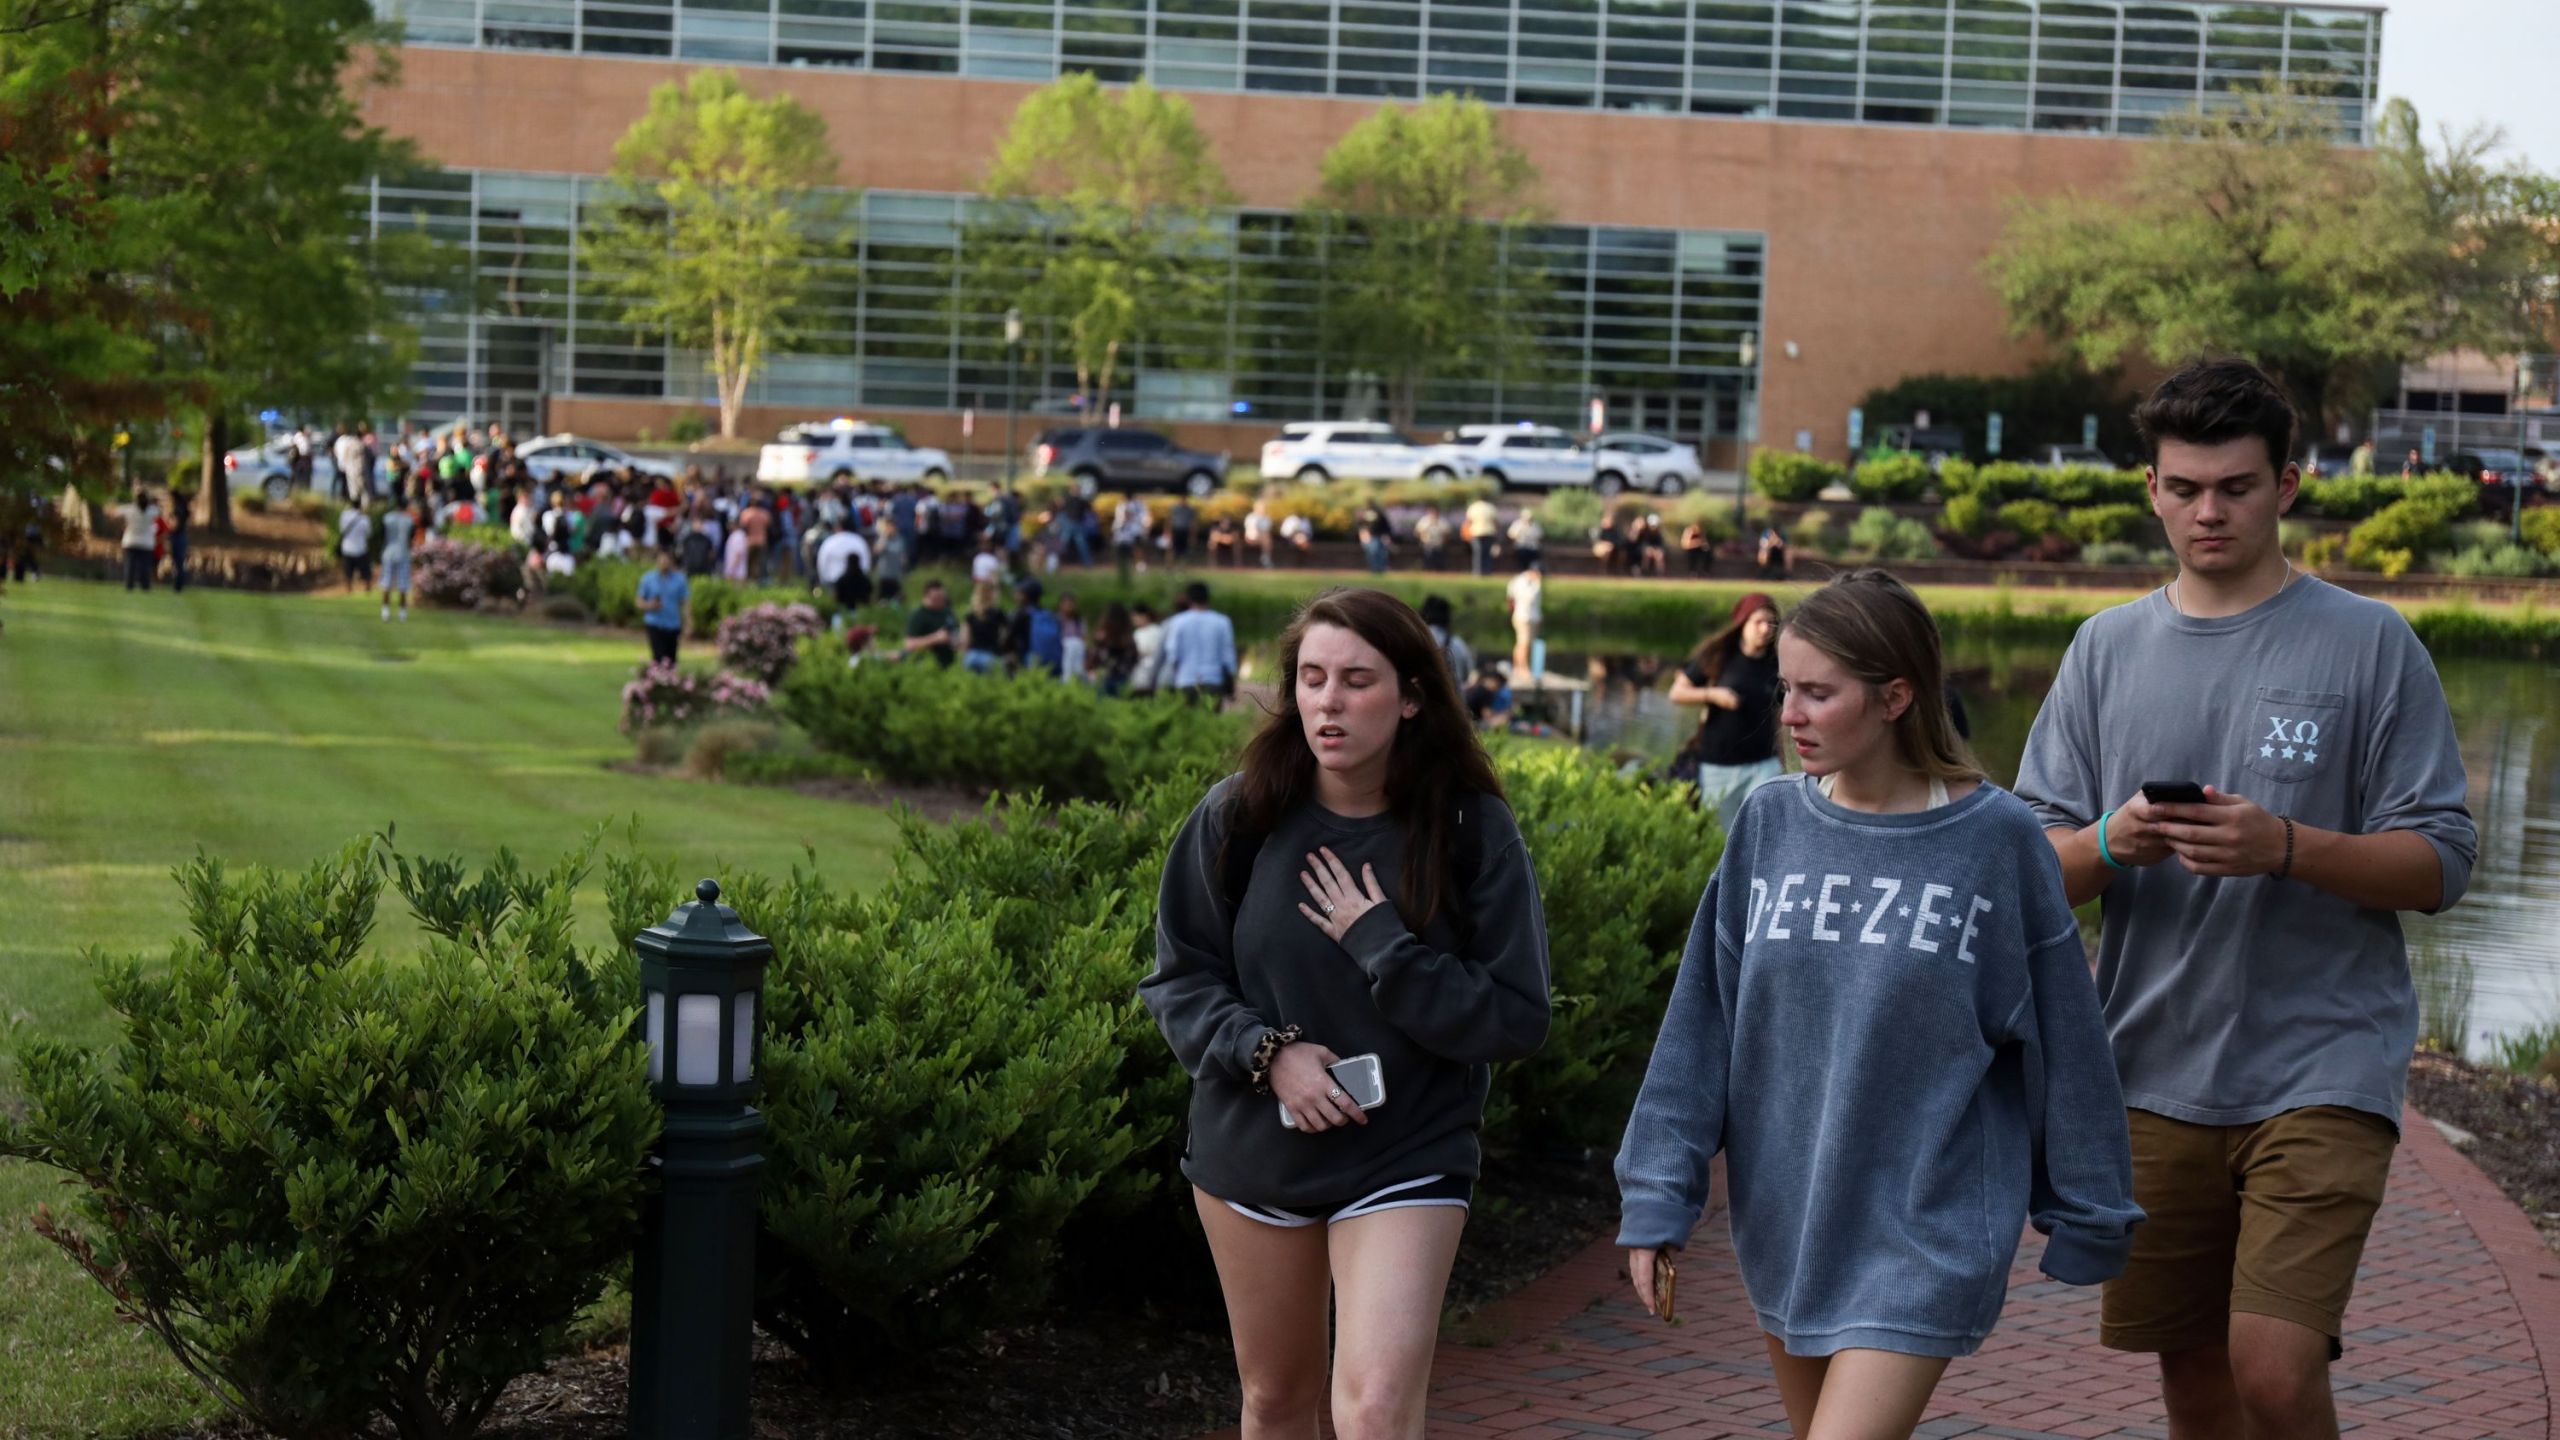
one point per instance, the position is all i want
(935, 724)
(341, 1187)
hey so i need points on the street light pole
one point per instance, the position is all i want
(1749, 354)
(1012, 388)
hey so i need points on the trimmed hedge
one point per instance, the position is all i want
(338, 1187)
(923, 722)
(1786, 475)
(1891, 477)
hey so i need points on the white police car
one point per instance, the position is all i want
(842, 449)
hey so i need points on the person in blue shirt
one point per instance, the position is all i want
(665, 594)
(1199, 656)
(1885, 1022)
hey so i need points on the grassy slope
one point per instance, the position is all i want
(135, 730)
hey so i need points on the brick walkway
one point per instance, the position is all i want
(2454, 1335)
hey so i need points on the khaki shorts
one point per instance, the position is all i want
(2262, 1219)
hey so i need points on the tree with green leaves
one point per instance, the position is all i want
(214, 205)
(2254, 229)
(1423, 217)
(720, 209)
(1109, 228)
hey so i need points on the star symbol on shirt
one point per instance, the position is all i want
(2266, 752)
(2288, 752)
(2310, 755)
(1904, 912)
(1857, 905)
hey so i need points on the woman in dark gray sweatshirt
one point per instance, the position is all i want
(1358, 890)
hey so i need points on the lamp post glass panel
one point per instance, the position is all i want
(1012, 386)
(693, 1280)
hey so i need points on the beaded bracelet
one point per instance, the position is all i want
(1267, 1049)
(2287, 871)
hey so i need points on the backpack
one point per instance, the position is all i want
(1048, 647)
(1466, 862)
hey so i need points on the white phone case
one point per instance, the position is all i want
(1359, 1076)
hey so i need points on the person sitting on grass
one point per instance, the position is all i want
(1299, 534)
(986, 627)
(1489, 696)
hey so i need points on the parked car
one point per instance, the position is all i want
(1933, 443)
(1127, 458)
(2054, 457)
(268, 468)
(1315, 451)
(1645, 462)
(1524, 456)
(842, 449)
(2494, 467)
(554, 457)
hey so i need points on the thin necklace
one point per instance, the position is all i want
(2289, 573)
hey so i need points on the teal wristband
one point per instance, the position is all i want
(2112, 862)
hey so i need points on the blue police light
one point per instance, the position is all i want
(1240, 407)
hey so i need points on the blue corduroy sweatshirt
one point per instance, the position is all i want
(1887, 1024)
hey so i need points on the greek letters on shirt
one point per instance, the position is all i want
(1888, 911)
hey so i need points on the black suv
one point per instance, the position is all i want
(1100, 458)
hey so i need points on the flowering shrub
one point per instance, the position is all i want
(661, 694)
(763, 642)
(462, 574)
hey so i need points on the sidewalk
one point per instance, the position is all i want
(2454, 1335)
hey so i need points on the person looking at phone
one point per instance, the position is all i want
(1885, 1022)
(1358, 889)
(2256, 987)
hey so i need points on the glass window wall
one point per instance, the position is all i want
(1651, 318)
(2104, 66)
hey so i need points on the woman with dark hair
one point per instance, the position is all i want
(1359, 889)
(1885, 1021)
(1733, 678)
(1114, 647)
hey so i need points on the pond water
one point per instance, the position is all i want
(2502, 941)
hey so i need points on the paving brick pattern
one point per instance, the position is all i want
(2454, 1335)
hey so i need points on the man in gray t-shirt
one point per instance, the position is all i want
(2250, 964)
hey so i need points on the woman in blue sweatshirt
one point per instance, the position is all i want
(1885, 1022)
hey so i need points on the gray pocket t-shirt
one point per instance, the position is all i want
(2231, 1000)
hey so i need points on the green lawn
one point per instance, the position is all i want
(136, 730)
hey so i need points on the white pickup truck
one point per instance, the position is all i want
(831, 450)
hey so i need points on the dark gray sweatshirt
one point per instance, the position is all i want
(1437, 1011)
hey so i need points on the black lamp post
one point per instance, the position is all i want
(693, 1281)
(1748, 352)
(1012, 387)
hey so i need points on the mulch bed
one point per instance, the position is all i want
(1083, 1371)
(1073, 1372)
(2515, 1124)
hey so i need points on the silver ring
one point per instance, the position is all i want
(1333, 1094)
(1328, 909)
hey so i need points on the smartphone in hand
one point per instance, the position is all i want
(1360, 1079)
(2173, 792)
